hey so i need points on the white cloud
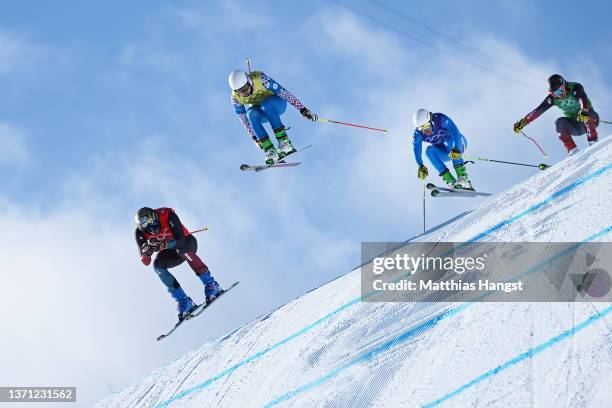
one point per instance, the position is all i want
(16, 51)
(373, 49)
(12, 145)
(206, 18)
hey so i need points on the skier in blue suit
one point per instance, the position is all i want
(258, 99)
(447, 144)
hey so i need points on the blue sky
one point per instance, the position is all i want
(109, 107)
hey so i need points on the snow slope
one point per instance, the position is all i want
(327, 348)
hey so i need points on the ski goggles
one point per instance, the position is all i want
(146, 223)
(427, 125)
(560, 91)
(245, 90)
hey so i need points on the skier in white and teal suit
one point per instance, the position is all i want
(258, 99)
(447, 144)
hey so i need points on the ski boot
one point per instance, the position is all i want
(184, 303)
(448, 178)
(573, 151)
(463, 182)
(592, 142)
(211, 287)
(285, 148)
(271, 155)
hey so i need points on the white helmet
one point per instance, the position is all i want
(421, 117)
(237, 79)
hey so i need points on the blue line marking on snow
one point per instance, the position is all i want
(421, 327)
(259, 354)
(255, 356)
(528, 354)
(426, 325)
(541, 204)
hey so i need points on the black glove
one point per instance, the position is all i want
(309, 115)
(146, 250)
(156, 244)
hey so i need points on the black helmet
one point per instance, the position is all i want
(146, 219)
(556, 85)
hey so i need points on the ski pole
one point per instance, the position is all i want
(536, 143)
(424, 206)
(248, 61)
(352, 124)
(605, 121)
(540, 166)
(200, 230)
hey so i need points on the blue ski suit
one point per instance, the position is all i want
(266, 105)
(445, 137)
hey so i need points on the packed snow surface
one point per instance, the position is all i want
(329, 349)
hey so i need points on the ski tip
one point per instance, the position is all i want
(161, 337)
(430, 185)
(435, 193)
(244, 167)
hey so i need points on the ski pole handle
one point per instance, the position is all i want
(200, 230)
(536, 143)
(353, 124)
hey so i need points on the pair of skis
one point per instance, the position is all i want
(438, 191)
(281, 163)
(199, 309)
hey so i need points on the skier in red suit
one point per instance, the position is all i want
(161, 231)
